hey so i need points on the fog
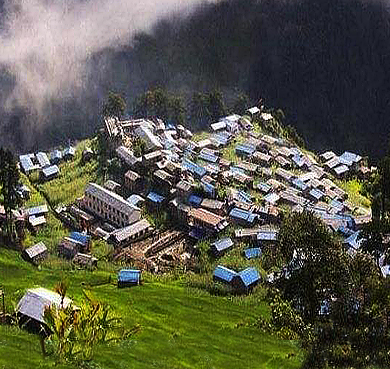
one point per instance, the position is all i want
(45, 45)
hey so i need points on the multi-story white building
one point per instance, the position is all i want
(110, 206)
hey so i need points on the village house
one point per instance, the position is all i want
(127, 157)
(133, 181)
(112, 186)
(215, 206)
(184, 189)
(69, 153)
(49, 172)
(129, 277)
(43, 160)
(85, 260)
(28, 164)
(36, 253)
(31, 308)
(221, 246)
(124, 236)
(56, 157)
(110, 206)
(206, 220)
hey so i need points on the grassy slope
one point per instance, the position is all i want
(182, 327)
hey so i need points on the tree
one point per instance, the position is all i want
(316, 266)
(199, 109)
(216, 106)
(114, 106)
(241, 104)
(9, 179)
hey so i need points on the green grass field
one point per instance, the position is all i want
(181, 326)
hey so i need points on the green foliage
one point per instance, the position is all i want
(114, 106)
(139, 147)
(354, 189)
(166, 308)
(158, 103)
(240, 104)
(76, 333)
(9, 179)
(285, 320)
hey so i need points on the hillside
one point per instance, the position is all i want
(181, 327)
(325, 63)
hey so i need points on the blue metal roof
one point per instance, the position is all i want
(263, 187)
(155, 197)
(195, 200)
(37, 210)
(240, 214)
(249, 276)
(252, 253)
(244, 197)
(317, 194)
(349, 158)
(194, 168)
(208, 187)
(129, 275)
(56, 155)
(69, 151)
(80, 237)
(224, 273)
(223, 244)
(354, 241)
(222, 139)
(298, 160)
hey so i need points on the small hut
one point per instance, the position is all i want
(129, 277)
(36, 253)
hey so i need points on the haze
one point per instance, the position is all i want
(45, 45)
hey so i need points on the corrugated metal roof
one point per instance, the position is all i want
(36, 250)
(240, 214)
(267, 236)
(129, 276)
(41, 209)
(155, 197)
(195, 200)
(43, 160)
(252, 253)
(50, 171)
(208, 157)
(34, 302)
(249, 276)
(80, 237)
(223, 244)
(224, 273)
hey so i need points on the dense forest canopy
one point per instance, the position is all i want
(326, 64)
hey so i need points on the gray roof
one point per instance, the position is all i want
(43, 160)
(34, 302)
(131, 230)
(50, 171)
(110, 198)
(127, 155)
(36, 250)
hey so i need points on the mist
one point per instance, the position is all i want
(45, 46)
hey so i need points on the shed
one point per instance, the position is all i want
(43, 160)
(69, 153)
(221, 246)
(85, 260)
(246, 279)
(223, 274)
(36, 253)
(31, 307)
(253, 253)
(49, 172)
(129, 277)
(55, 156)
(83, 238)
(112, 186)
